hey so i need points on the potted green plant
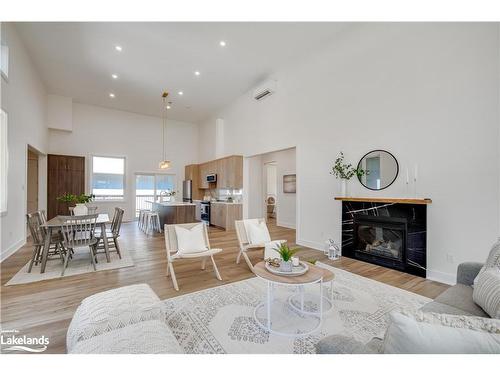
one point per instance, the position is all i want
(286, 255)
(344, 171)
(78, 200)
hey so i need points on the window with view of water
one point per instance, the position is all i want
(149, 187)
(108, 178)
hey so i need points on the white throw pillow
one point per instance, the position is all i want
(192, 240)
(257, 233)
(406, 335)
(487, 292)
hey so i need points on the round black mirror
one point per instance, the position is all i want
(380, 169)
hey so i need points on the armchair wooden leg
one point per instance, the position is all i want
(247, 260)
(239, 257)
(215, 268)
(172, 275)
(203, 263)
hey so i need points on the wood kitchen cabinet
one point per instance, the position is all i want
(229, 171)
(203, 171)
(65, 174)
(192, 172)
(223, 215)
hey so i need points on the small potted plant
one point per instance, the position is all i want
(286, 256)
(78, 200)
(344, 172)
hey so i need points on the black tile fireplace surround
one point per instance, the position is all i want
(392, 235)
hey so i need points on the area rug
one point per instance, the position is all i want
(221, 319)
(79, 264)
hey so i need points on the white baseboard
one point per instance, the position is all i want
(12, 249)
(311, 244)
(445, 278)
(285, 225)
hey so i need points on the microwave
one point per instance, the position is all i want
(211, 177)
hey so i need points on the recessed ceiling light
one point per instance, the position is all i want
(114, 76)
(118, 48)
(168, 107)
(111, 95)
(180, 93)
(222, 43)
(197, 73)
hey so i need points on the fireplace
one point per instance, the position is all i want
(387, 232)
(380, 240)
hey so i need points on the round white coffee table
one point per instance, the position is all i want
(308, 322)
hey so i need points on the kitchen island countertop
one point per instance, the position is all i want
(172, 203)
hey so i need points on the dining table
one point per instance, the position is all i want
(55, 224)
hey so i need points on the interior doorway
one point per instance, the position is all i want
(271, 192)
(271, 177)
(32, 181)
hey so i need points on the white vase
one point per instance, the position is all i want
(344, 187)
(80, 209)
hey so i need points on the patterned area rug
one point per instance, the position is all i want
(80, 263)
(221, 319)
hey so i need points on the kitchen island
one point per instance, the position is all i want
(174, 212)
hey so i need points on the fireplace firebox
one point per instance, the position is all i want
(381, 240)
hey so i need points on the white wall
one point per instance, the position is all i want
(286, 203)
(23, 97)
(101, 131)
(428, 93)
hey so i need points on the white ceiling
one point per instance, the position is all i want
(77, 60)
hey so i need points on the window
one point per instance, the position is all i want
(148, 187)
(4, 161)
(108, 178)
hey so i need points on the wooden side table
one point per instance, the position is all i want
(315, 275)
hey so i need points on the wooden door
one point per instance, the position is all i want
(32, 183)
(65, 174)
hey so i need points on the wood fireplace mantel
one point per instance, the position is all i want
(386, 200)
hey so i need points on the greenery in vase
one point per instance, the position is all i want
(345, 171)
(75, 199)
(285, 252)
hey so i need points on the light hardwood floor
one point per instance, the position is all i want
(46, 307)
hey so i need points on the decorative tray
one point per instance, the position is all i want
(301, 269)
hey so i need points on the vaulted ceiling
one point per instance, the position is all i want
(78, 60)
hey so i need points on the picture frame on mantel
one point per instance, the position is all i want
(289, 183)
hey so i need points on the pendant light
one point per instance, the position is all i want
(164, 163)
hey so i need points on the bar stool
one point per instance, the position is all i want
(152, 222)
(141, 221)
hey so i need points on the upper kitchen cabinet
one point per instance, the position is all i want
(229, 171)
(192, 172)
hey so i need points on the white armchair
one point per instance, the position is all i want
(247, 245)
(174, 255)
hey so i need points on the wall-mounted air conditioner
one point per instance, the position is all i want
(266, 89)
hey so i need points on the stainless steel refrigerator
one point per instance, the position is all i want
(187, 191)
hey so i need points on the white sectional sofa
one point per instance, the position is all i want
(128, 320)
